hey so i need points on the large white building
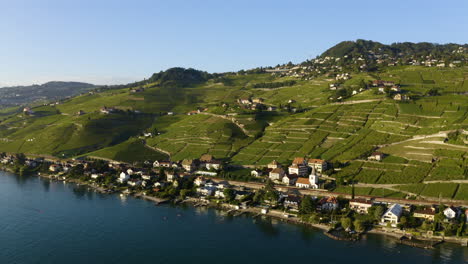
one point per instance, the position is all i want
(392, 215)
(123, 177)
(451, 212)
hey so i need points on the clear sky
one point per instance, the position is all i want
(114, 41)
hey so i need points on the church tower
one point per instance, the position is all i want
(313, 179)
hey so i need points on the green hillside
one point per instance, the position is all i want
(424, 138)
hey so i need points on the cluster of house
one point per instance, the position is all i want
(254, 103)
(395, 211)
(107, 110)
(207, 187)
(28, 111)
(392, 88)
(193, 112)
(205, 162)
(302, 173)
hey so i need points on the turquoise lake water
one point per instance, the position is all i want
(52, 222)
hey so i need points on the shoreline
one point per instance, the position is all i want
(253, 211)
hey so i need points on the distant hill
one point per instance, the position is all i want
(365, 48)
(20, 95)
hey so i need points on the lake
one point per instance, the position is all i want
(44, 221)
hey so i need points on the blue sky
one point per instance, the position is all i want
(113, 41)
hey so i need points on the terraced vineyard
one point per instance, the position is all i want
(425, 139)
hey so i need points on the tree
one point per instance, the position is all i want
(359, 225)
(20, 159)
(379, 211)
(258, 197)
(307, 205)
(229, 194)
(184, 192)
(346, 222)
(269, 185)
(403, 221)
(433, 92)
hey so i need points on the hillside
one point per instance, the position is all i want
(313, 109)
(51, 91)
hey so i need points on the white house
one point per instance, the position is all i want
(95, 176)
(256, 173)
(134, 182)
(164, 164)
(276, 174)
(377, 156)
(451, 212)
(392, 215)
(199, 181)
(289, 179)
(146, 177)
(273, 165)
(219, 194)
(171, 176)
(206, 190)
(123, 177)
(360, 205)
(319, 165)
(300, 169)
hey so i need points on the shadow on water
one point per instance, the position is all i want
(46, 185)
(23, 179)
(90, 195)
(79, 191)
(267, 227)
(307, 233)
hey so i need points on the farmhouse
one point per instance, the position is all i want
(276, 174)
(273, 165)
(106, 110)
(258, 100)
(400, 97)
(244, 101)
(377, 156)
(289, 179)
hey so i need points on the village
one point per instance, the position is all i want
(283, 192)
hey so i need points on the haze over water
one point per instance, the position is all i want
(53, 222)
